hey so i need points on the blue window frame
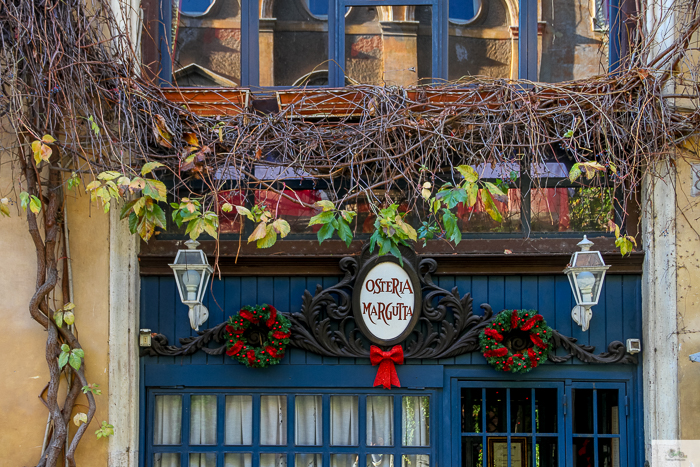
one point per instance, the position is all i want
(335, 10)
(183, 446)
(549, 423)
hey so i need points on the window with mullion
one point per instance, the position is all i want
(209, 428)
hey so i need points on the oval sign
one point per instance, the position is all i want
(386, 300)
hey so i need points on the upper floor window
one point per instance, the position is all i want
(273, 43)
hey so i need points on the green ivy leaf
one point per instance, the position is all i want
(325, 232)
(323, 218)
(451, 227)
(108, 175)
(58, 318)
(35, 204)
(74, 361)
(24, 200)
(68, 318)
(63, 359)
(155, 189)
(269, 239)
(79, 352)
(344, 231)
(468, 173)
(575, 172)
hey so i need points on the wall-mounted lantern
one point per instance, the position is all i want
(586, 272)
(192, 273)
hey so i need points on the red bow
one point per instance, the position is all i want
(386, 373)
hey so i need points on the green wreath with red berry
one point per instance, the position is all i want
(525, 326)
(257, 336)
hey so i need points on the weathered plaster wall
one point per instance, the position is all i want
(23, 373)
(688, 276)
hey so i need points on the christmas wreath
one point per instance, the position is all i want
(516, 341)
(257, 336)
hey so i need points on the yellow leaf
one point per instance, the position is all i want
(163, 135)
(48, 139)
(325, 205)
(192, 140)
(79, 419)
(281, 226)
(227, 207)
(259, 233)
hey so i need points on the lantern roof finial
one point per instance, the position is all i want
(585, 244)
(192, 244)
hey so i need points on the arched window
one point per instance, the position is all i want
(463, 11)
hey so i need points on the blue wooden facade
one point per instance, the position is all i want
(445, 382)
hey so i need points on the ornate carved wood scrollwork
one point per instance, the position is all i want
(447, 326)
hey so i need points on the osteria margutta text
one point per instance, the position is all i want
(387, 311)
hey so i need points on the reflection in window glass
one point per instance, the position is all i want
(317, 7)
(273, 460)
(415, 460)
(520, 410)
(344, 460)
(168, 420)
(203, 420)
(496, 410)
(583, 411)
(388, 45)
(546, 401)
(608, 413)
(207, 50)
(293, 45)
(471, 410)
(308, 460)
(574, 46)
(203, 460)
(195, 7)
(546, 452)
(239, 420)
(415, 420)
(583, 452)
(477, 218)
(380, 421)
(308, 419)
(483, 46)
(571, 209)
(273, 420)
(169, 459)
(344, 414)
(608, 451)
(472, 451)
(235, 459)
(380, 460)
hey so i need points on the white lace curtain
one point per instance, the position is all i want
(308, 428)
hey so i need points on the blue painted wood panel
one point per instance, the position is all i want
(616, 317)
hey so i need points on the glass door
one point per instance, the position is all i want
(508, 424)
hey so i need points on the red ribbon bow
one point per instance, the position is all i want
(386, 373)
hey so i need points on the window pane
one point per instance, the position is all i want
(471, 410)
(608, 412)
(571, 209)
(380, 421)
(388, 45)
(203, 460)
(202, 420)
(168, 420)
(416, 460)
(234, 459)
(546, 401)
(472, 451)
(478, 219)
(583, 452)
(520, 410)
(583, 410)
(343, 460)
(207, 49)
(293, 45)
(273, 460)
(308, 420)
(308, 460)
(415, 420)
(520, 451)
(480, 40)
(380, 460)
(344, 414)
(273, 420)
(546, 452)
(574, 40)
(239, 420)
(609, 451)
(169, 459)
(496, 410)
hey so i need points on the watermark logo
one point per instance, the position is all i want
(676, 452)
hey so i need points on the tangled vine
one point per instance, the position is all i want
(75, 97)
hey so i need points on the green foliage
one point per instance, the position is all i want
(105, 430)
(390, 231)
(590, 208)
(265, 233)
(625, 243)
(93, 388)
(65, 315)
(73, 181)
(73, 357)
(93, 126)
(41, 149)
(31, 202)
(333, 220)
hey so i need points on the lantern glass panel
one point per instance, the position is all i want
(190, 257)
(206, 275)
(588, 259)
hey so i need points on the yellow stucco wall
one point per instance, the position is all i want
(688, 277)
(24, 373)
